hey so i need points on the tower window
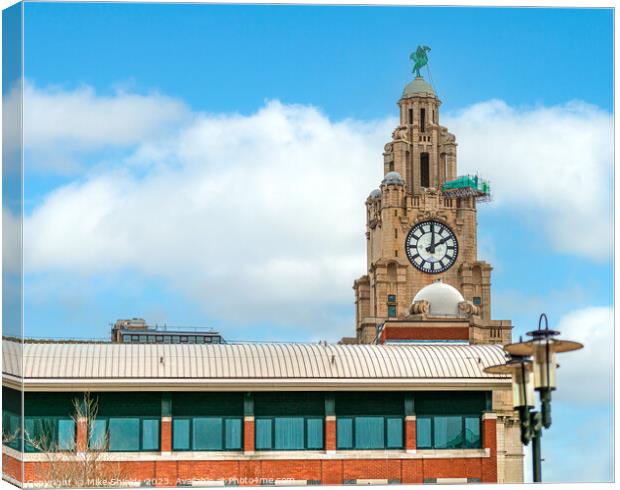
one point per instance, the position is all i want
(410, 116)
(391, 306)
(424, 170)
(395, 232)
(422, 119)
(477, 300)
(391, 166)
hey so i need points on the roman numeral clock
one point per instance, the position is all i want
(431, 247)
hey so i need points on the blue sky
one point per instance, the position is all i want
(158, 136)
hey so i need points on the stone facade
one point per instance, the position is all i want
(424, 153)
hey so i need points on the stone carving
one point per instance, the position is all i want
(388, 148)
(419, 307)
(400, 133)
(468, 308)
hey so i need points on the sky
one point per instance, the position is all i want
(208, 165)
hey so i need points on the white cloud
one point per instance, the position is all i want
(585, 377)
(261, 217)
(246, 215)
(60, 126)
(554, 164)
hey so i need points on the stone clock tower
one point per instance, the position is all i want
(421, 229)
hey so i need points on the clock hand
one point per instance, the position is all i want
(444, 240)
(432, 247)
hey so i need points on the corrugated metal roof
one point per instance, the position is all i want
(247, 361)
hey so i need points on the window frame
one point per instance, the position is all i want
(56, 420)
(305, 418)
(140, 449)
(191, 418)
(385, 432)
(463, 418)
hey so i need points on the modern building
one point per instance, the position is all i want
(136, 331)
(404, 401)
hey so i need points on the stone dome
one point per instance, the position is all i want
(442, 298)
(419, 86)
(375, 194)
(393, 178)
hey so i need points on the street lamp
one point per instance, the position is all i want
(529, 375)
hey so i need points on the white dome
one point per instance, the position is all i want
(393, 178)
(443, 299)
(376, 194)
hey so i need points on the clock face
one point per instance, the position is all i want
(431, 247)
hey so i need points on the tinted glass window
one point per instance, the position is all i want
(233, 433)
(369, 433)
(289, 433)
(423, 432)
(150, 434)
(395, 432)
(66, 434)
(97, 436)
(344, 433)
(207, 433)
(448, 432)
(314, 433)
(180, 434)
(472, 432)
(263, 433)
(124, 434)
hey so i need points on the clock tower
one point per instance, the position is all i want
(421, 230)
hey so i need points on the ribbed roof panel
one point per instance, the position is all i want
(248, 361)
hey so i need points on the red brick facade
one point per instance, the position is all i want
(325, 471)
(424, 333)
(328, 470)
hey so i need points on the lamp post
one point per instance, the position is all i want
(532, 367)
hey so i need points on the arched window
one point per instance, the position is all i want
(422, 119)
(410, 116)
(425, 179)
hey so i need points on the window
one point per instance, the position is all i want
(369, 432)
(477, 300)
(422, 119)
(344, 433)
(289, 433)
(143, 338)
(10, 429)
(124, 434)
(159, 339)
(424, 170)
(207, 433)
(43, 433)
(391, 307)
(410, 116)
(448, 432)
(151, 339)
(200, 339)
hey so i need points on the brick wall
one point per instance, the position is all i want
(326, 471)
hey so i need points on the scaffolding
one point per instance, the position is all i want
(468, 186)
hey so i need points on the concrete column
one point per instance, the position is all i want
(248, 424)
(489, 441)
